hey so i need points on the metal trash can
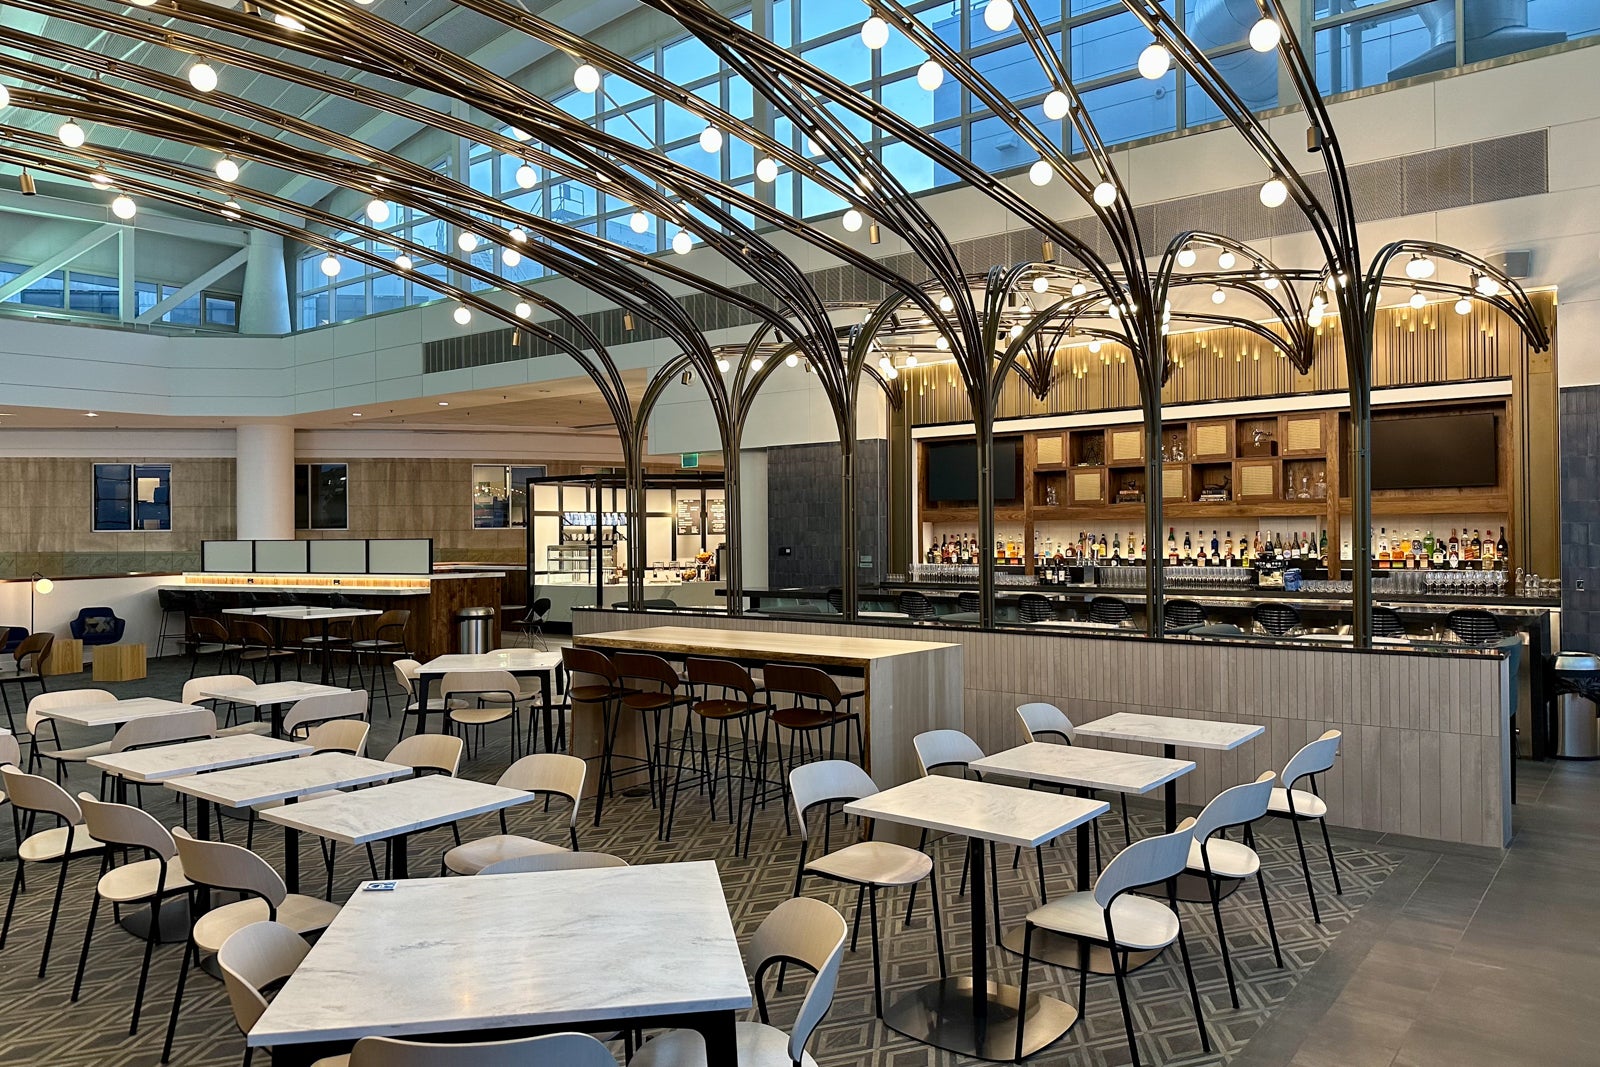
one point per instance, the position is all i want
(474, 630)
(1576, 678)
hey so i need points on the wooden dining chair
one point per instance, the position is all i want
(254, 959)
(548, 1050)
(31, 796)
(547, 774)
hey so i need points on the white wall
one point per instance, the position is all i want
(133, 599)
(791, 409)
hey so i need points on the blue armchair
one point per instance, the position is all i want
(98, 626)
(11, 637)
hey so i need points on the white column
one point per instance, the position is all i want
(264, 482)
(264, 305)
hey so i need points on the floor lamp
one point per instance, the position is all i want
(38, 585)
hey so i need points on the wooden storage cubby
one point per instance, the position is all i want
(1256, 479)
(1202, 475)
(1087, 448)
(1211, 440)
(1256, 438)
(1086, 486)
(1050, 450)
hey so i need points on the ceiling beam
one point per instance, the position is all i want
(88, 242)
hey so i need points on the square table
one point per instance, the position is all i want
(245, 787)
(393, 812)
(1084, 769)
(613, 948)
(974, 1016)
(1172, 732)
(192, 757)
(272, 696)
(518, 662)
(116, 712)
(325, 616)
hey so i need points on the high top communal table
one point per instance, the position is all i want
(974, 1016)
(325, 616)
(910, 686)
(500, 956)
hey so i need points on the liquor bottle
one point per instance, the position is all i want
(1172, 545)
(932, 555)
(1102, 550)
(1438, 551)
(1116, 546)
(1215, 544)
(1477, 546)
(1383, 548)
(1405, 547)
(1244, 551)
(1322, 548)
(1427, 545)
(1294, 546)
(1488, 555)
(1227, 546)
(1416, 548)
(1453, 555)
(1142, 557)
(1502, 551)
(1188, 548)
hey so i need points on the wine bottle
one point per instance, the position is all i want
(1502, 550)
(1172, 545)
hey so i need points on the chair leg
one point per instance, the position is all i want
(1127, 827)
(994, 883)
(190, 953)
(1266, 909)
(1117, 969)
(1038, 860)
(144, 968)
(877, 978)
(1222, 939)
(1327, 843)
(16, 886)
(1305, 869)
(1022, 992)
(83, 957)
(1194, 993)
(55, 915)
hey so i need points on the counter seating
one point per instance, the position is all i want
(1181, 613)
(1386, 623)
(1276, 619)
(1108, 611)
(28, 656)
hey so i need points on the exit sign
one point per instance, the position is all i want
(689, 459)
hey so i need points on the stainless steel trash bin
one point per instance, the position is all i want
(1577, 687)
(474, 630)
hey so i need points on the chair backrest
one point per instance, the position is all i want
(811, 932)
(195, 688)
(428, 752)
(392, 617)
(916, 605)
(1040, 720)
(1276, 619)
(339, 735)
(191, 725)
(1473, 626)
(124, 824)
(10, 750)
(824, 780)
(63, 698)
(173, 599)
(554, 861)
(1185, 613)
(253, 958)
(1235, 806)
(1036, 607)
(205, 629)
(836, 599)
(406, 670)
(549, 1050)
(549, 772)
(1108, 610)
(588, 661)
(31, 792)
(1147, 860)
(1386, 622)
(641, 667)
(351, 705)
(945, 748)
(721, 674)
(479, 682)
(252, 634)
(802, 682)
(969, 602)
(220, 865)
(35, 645)
(1316, 757)
(541, 607)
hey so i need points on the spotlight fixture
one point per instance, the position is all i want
(330, 265)
(930, 75)
(378, 211)
(1265, 35)
(25, 183)
(639, 222)
(1154, 61)
(874, 236)
(874, 33)
(586, 79)
(71, 134)
(766, 169)
(1274, 193)
(1041, 172)
(227, 169)
(124, 208)
(627, 321)
(462, 315)
(1105, 194)
(1047, 251)
(711, 139)
(203, 76)
(1056, 105)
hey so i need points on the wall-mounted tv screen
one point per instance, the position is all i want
(953, 471)
(1435, 452)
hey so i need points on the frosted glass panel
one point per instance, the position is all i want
(338, 557)
(281, 557)
(227, 555)
(404, 555)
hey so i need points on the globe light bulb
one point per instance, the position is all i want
(586, 79)
(524, 309)
(1094, 346)
(1265, 35)
(1016, 329)
(1041, 284)
(682, 242)
(518, 234)
(1464, 306)
(227, 169)
(722, 365)
(330, 265)
(766, 169)
(1417, 299)
(1154, 62)
(757, 363)
(874, 33)
(1041, 172)
(462, 315)
(124, 208)
(911, 359)
(1105, 194)
(1419, 267)
(1226, 260)
(378, 211)
(946, 304)
(71, 134)
(930, 75)
(526, 177)
(1270, 281)
(711, 139)
(851, 220)
(998, 15)
(1274, 193)
(403, 261)
(1487, 286)
(467, 241)
(639, 222)
(1218, 295)
(5, 96)
(1078, 288)
(1056, 105)
(791, 360)
(1314, 318)
(942, 343)
(1186, 257)
(203, 76)
(510, 257)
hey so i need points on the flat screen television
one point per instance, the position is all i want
(953, 471)
(1435, 452)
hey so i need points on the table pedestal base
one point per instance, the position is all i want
(174, 922)
(1061, 950)
(944, 1014)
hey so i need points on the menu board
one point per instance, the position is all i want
(688, 516)
(717, 521)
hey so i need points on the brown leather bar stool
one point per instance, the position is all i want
(724, 693)
(654, 690)
(608, 694)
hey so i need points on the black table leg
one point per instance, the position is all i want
(291, 854)
(1171, 752)
(397, 854)
(423, 684)
(720, 1031)
(546, 694)
(327, 662)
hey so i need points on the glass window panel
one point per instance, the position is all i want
(1107, 46)
(901, 53)
(860, 127)
(815, 200)
(1575, 18)
(846, 58)
(780, 29)
(152, 496)
(619, 232)
(996, 147)
(1373, 51)
(1218, 25)
(1083, 7)
(578, 105)
(910, 167)
(480, 175)
(741, 100)
(113, 496)
(571, 201)
(945, 21)
(388, 292)
(741, 157)
(329, 491)
(1129, 110)
(636, 126)
(821, 19)
(680, 123)
(302, 496)
(978, 31)
(221, 310)
(145, 297)
(690, 60)
(47, 292)
(1253, 75)
(1014, 70)
(694, 157)
(619, 91)
(349, 301)
(314, 310)
(94, 293)
(184, 314)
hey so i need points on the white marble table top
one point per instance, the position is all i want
(558, 948)
(1085, 768)
(292, 612)
(513, 660)
(397, 808)
(1001, 813)
(244, 787)
(115, 713)
(261, 696)
(191, 757)
(1172, 730)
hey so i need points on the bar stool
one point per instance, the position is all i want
(608, 694)
(1473, 626)
(1108, 611)
(1181, 613)
(388, 641)
(1386, 622)
(258, 647)
(653, 690)
(724, 693)
(172, 602)
(915, 605)
(1035, 608)
(32, 795)
(1300, 805)
(341, 638)
(205, 631)
(1276, 619)
(812, 708)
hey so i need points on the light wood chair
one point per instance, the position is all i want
(867, 865)
(1041, 721)
(1110, 915)
(467, 690)
(151, 880)
(549, 1050)
(1306, 805)
(33, 795)
(529, 694)
(39, 723)
(256, 958)
(554, 861)
(339, 735)
(196, 724)
(316, 709)
(548, 774)
(808, 933)
(219, 866)
(405, 671)
(1218, 859)
(193, 694)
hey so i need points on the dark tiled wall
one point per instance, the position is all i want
(804, 508)
(1580, 517)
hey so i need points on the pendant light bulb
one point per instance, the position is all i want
(402, 261)
(510, 257)
(462, 314)
(1265, 35)
(586, 79)
(1226, 260)
(378, 211)
(1041, 172)
(1078, 288)
(1419, 267)
(1105, 194)
(1094, 347)
(638, 222)
(946, 304)
(930, 75)
(711, 139)
(766, 169)
(682, 242)
(71, 134)
(1219, 295)
(722, 365)
(874, 33)
(1154, 62)
(5, 96)
(791, 360)
(998, 15)
(524, 310)
(942, 343)
(1041, 284)
(227, 169)
(1486, 286)
(527, 178)
(1417, 299)
(1464, 306)
(1056, 105)
(1274, 193)
(851, 220)
(203, 76)
(518, 234)
(1186, 257)
(467, 241)
(757, 363)
(330, 266)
